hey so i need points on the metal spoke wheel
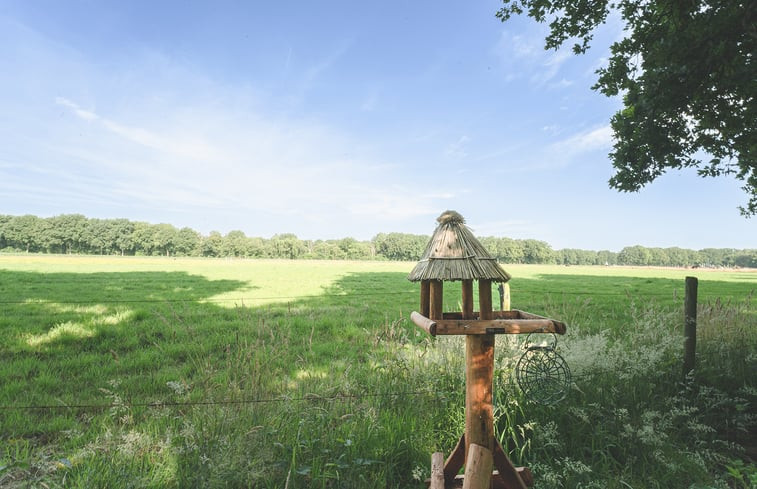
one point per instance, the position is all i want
(542, 374)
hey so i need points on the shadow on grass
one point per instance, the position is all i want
(68, 336)
(17, 286)
(598, 302)
(43, 309)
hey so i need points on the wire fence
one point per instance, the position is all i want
(210, 299)
(546, 295)
(163, 404)
(355, 293)
(503, 384)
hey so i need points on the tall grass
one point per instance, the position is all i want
(632, 420)
(204, 373)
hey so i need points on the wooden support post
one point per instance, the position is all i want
(478, 468)
(479, 376)
(437, 471)
(690, 325)
(436, 299)
(425, 297)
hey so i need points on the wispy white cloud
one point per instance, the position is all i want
(524, 57)
(370, 102)
(562, 83)
(247, 163)
(174, 145)
(552, 150)
(327, 61)
(591, 140)
(520, 46)
(457, 149)
(158, 141)
(287, 60)
(84, 114)
(549, 67)
(316, 68)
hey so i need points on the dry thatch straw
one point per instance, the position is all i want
(453, 253)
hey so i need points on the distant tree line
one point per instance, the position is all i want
(75, 233)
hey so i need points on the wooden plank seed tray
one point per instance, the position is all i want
(502, 322)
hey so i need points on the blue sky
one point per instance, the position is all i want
(327, 120)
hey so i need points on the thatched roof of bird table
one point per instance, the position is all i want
(454, 253)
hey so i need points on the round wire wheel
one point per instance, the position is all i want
(543, 375)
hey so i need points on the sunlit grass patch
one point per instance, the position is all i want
(66, 330)
(89, 309)
(87, 328)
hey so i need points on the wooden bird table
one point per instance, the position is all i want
(478, 449)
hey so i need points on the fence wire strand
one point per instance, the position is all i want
(506, 383)
(179, 404)
(333, 296)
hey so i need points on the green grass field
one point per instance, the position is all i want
(157, 372)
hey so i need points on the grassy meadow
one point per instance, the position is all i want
(172, 373)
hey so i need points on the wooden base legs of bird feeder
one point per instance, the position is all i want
(478, 450)
(478, 469)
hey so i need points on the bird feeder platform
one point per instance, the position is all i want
(502, 322)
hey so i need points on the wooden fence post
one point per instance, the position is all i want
(690, 325)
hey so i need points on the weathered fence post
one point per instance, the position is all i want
(690, 325)
(504, 297)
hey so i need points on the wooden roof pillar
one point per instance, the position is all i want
(426, 298)
(436, 299)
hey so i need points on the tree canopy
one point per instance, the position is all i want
(74, 233)
(686, 72)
